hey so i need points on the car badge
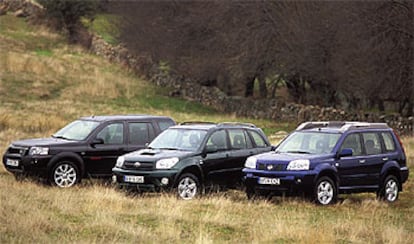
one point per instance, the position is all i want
(269, 167)
(137, 164)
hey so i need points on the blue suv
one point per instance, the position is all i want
(322, 159)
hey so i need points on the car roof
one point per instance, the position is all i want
(339, 126)
(209, 125)
(102, 118)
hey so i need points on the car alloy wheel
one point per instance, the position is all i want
(390, 190)
(325, 192)
(187, 187)
(65, 174)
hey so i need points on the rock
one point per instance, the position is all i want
(20, 13)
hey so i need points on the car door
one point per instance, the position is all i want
(351, 169)
(139, 134)
(375, 158)
(107, 144)
(217, 163)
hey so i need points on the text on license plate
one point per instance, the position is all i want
(269, 181)
(12, 162)
(134, 179)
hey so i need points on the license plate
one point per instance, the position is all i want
(12, 162)
(134, 179)
(269, 181)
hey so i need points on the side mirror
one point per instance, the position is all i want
(273, 148)
(97, 141)
(346, 152)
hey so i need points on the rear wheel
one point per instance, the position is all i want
(188, 186)
(64, 174)
(325, 191)
(390, 189)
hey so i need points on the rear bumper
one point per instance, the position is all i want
(404, 172)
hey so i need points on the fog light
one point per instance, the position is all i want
(164, 181)
(298, 181)
(114, 179)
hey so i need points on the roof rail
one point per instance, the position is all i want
(197, 122)
(237, 123)
(319, 124)
(342, 125)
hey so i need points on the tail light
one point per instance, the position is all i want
(399, 140)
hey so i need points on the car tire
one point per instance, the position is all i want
(325, 191)
(389, 191)
(64, 174)
(188, 186)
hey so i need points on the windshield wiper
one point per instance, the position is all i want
(168, 148)
(60, 137)
(298, 151)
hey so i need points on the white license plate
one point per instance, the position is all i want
(134, 179)
(12, 162)
(269, 181)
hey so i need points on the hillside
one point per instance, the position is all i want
(45, 83)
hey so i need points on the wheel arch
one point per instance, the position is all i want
(68, 156)
(193, 169)
(390, 169)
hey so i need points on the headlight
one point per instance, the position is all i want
(39, 151)
(120, 161)
(166, 163)
(250, 162)
(300, 164)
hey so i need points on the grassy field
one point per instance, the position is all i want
(45, 84)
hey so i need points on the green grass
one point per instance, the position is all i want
(106, 26)
(47, 83)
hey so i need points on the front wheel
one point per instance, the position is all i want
(64, 174)
(188, 186)
(389, 190)
(325, 191)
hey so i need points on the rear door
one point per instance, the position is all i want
(375, 158)
(140, 134)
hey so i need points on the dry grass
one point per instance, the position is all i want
(40, 93)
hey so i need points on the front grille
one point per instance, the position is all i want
(146, 166)
(22, 151)
(271, 167)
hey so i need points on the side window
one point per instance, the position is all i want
(258, 139)
(388, 141)
(140, 133)
(237, 139)
(372, 143)
(217, 141)
(164, 124)
(112, 134)
(353, 142)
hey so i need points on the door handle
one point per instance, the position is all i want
(385, 159)
(362, 161)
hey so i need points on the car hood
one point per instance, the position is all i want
(285, 158)
(152, 155)
(50, 141)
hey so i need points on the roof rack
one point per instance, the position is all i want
(342, 125)
(237, 123)
(197, 122)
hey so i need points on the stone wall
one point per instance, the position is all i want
(212, 96)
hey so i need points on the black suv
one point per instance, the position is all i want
(190, 157)
(88, 146)
(323, 159)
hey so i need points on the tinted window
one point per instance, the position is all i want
(237, 139)
(217, 141)
(140, 133)
(165, 124)
(372, 143)
(258, 139)
(353, 142)
(388, 141)
(112, 134)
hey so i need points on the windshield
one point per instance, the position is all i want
(309, 143)
(77, 130)
(179, 139)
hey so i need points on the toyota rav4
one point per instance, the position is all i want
(191, 157)
(322, 159)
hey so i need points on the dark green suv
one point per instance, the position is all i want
(191, 157)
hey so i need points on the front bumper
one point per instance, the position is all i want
(27, 164)
(155, 180)
(289, 181)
